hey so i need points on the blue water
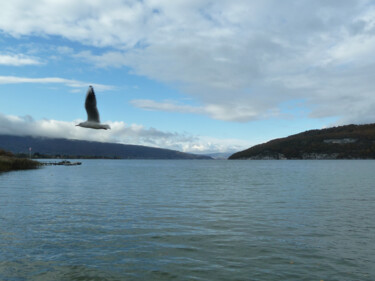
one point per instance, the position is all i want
(189, 220)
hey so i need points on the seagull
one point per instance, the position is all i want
(93, 120)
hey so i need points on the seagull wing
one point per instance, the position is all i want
(90, 105)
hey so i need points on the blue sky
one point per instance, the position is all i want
(196, 76)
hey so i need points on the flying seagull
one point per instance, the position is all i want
(93, 120)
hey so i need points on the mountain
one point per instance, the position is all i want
(343, 142)
(64, 148)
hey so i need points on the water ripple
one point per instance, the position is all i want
(189, 220)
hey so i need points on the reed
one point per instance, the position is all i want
(10, 163)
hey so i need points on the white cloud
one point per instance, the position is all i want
(227, 112)
(120, 133)
(18, 60)
(239, 59)
(166, 106)
(51, 80)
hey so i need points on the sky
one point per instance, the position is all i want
(197, 76)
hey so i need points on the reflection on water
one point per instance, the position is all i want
(189, 220)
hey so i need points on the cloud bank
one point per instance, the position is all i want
(240, 59)
(120, 133)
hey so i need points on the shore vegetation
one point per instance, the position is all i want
(8, 162)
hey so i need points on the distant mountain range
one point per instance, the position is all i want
(64, 148)
(220, 155)
(344, 142)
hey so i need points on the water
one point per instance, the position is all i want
(189, 220)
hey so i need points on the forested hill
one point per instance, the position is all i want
(64, 148)
(344, 142)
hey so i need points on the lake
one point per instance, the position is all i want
(189, 220)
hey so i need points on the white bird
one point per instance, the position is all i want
(93, 120)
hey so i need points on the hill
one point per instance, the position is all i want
(343, 142)
(64, 148)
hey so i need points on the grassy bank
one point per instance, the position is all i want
(10, 163)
